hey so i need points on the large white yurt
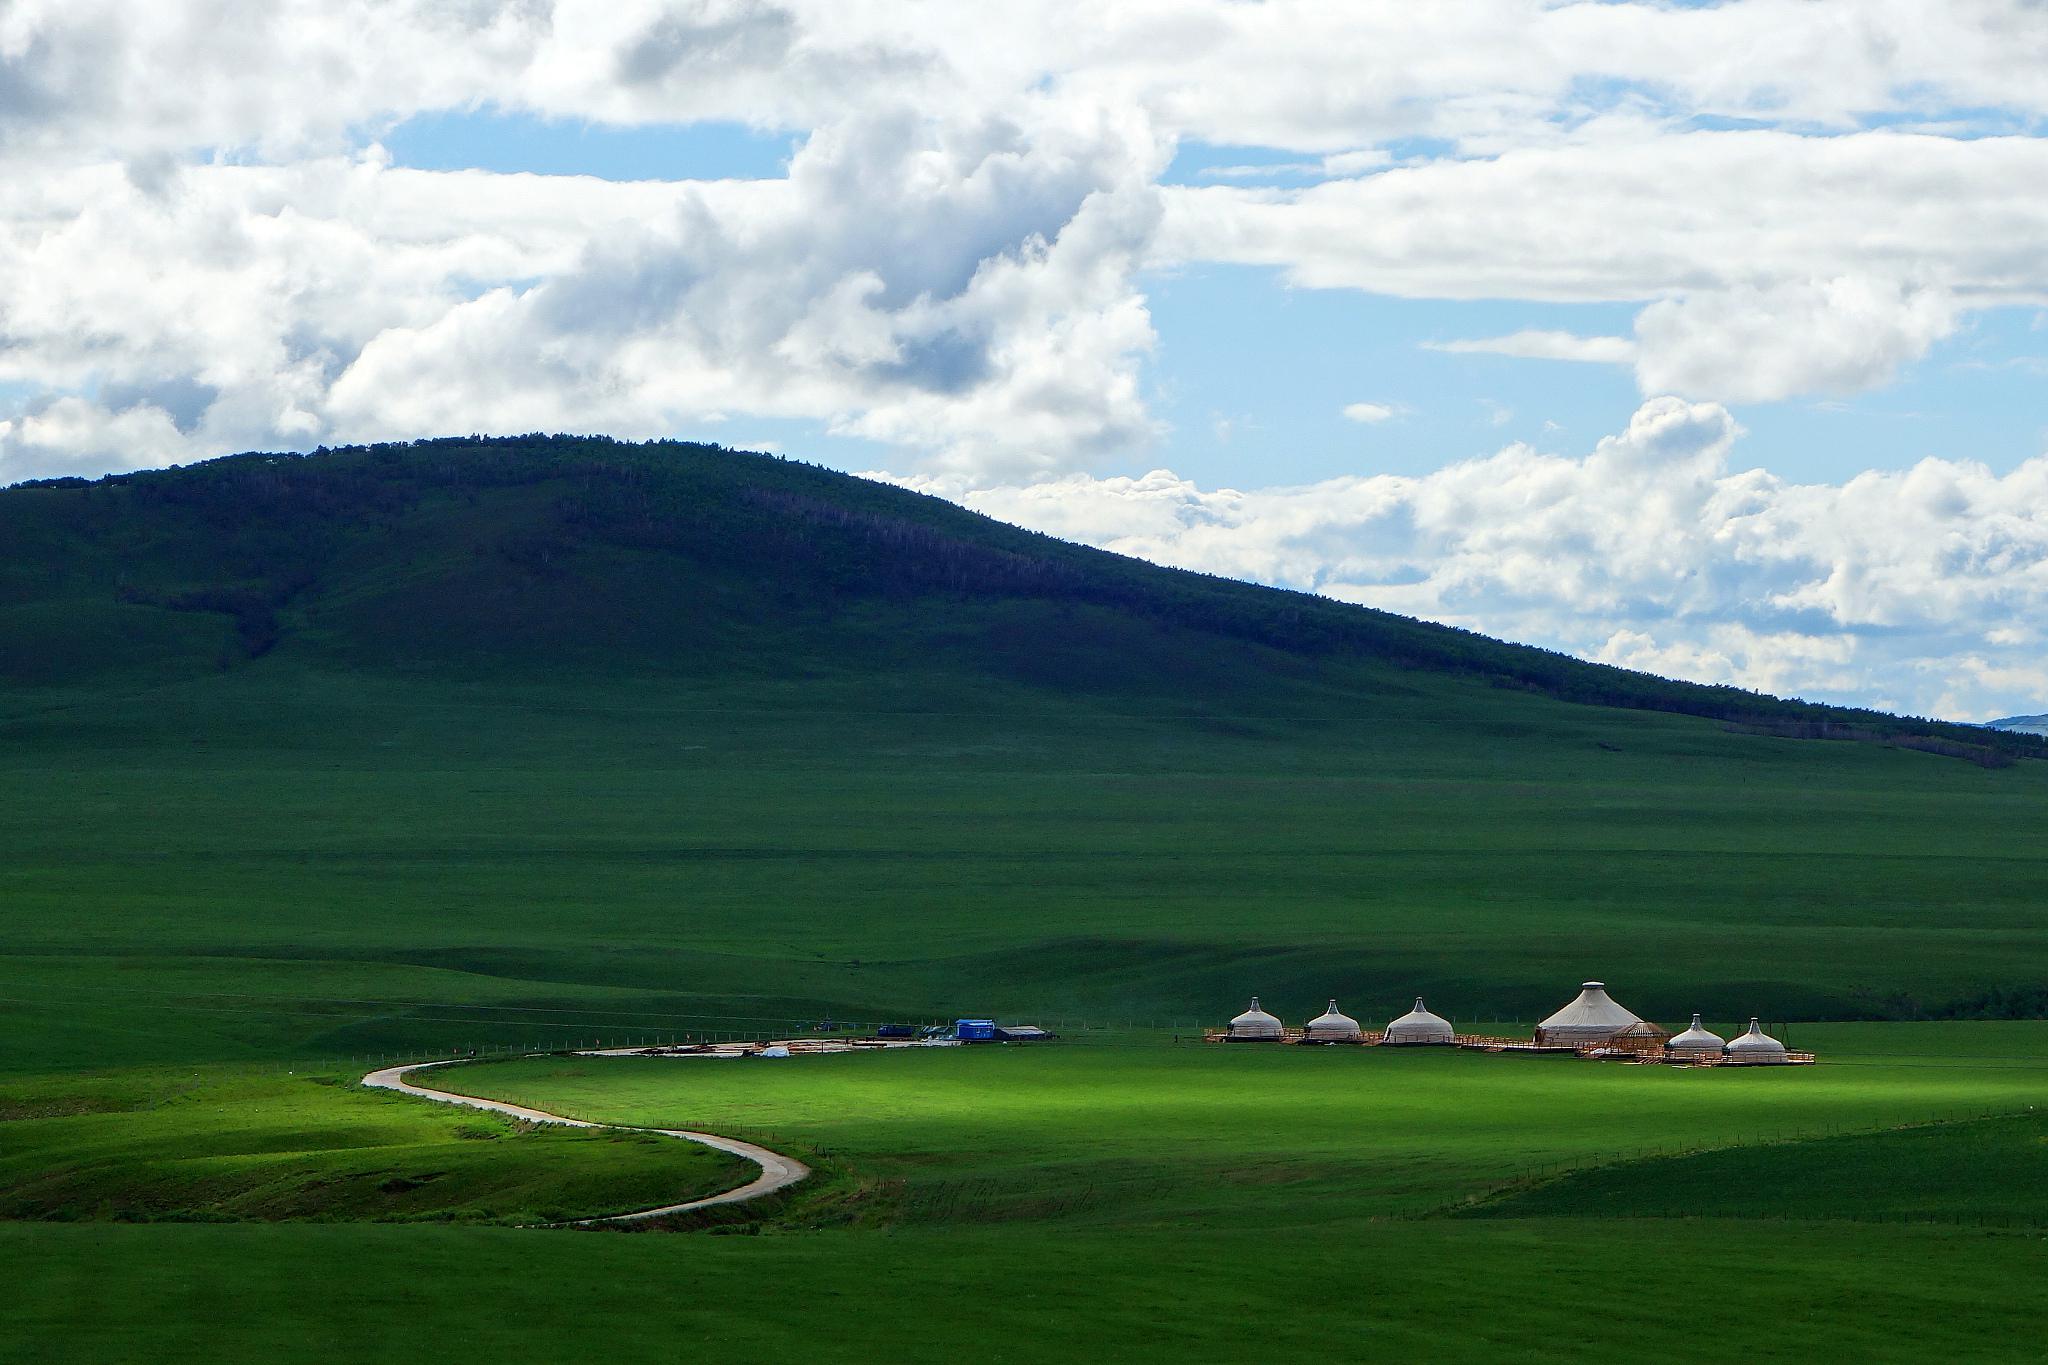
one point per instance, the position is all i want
(1255, 1026)
(1592, 1018)
(1756, 1046)
(1331, 1026)
(1420, 1026)
(1696, 1040)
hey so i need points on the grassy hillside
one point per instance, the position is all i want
(223, 1145)
(284, 863)
(521, 557)
(418, 749)
(525, 742)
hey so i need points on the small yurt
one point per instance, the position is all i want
(1697, 1041)
(1593, 1018)
(1330, 1026)
(1420, 1026)
(1255, 1026)
(1756, 1046)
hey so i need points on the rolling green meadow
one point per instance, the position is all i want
(453, 763)
(1124, 1197)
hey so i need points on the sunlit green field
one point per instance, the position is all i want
(220, 904)
(1134, 1131)
(1124, 1198)
(221, 1143)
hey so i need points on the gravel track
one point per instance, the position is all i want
(778, 1172)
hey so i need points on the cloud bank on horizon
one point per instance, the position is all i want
(206, 245)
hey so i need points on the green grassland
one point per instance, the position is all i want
(1125, 1198)
(527, 742)
(308, 764)
(1450, 1292)
(1133, 1132)
(1983, 1172)
(223, 1144)
(1458, 1293)
(288, 863)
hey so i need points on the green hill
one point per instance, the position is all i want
(524, 557)
(537, 743)
(531, 740)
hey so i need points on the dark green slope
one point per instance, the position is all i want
(527, 556)
(532, 741)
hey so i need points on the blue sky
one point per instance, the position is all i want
(1706, 339)
(490, 139)
(1251, 375)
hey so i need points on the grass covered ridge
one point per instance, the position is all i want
(238, 1145)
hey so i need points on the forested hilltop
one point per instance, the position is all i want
(502, 557)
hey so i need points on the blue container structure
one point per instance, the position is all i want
(896, 1031)
(975, 1030)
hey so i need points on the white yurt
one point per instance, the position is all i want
(1329, 1025)
(1696, 1040)
(1592, 1018)
(1255, 1026)
(1756, 1046)
(1420, 1026)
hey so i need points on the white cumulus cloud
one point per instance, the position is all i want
(955, 262)
(1537, 344)
(1655, 550)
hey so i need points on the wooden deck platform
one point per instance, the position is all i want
(1641, 1053)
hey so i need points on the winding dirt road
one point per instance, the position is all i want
(777, 1171)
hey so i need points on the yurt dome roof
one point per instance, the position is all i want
(1420, 1026)
(1333, 1024)
(1756, 1042)
(1594, 1013)
(1255, 1023)
(1696, 1039)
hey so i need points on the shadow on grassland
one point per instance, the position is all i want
(1987, 1172)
